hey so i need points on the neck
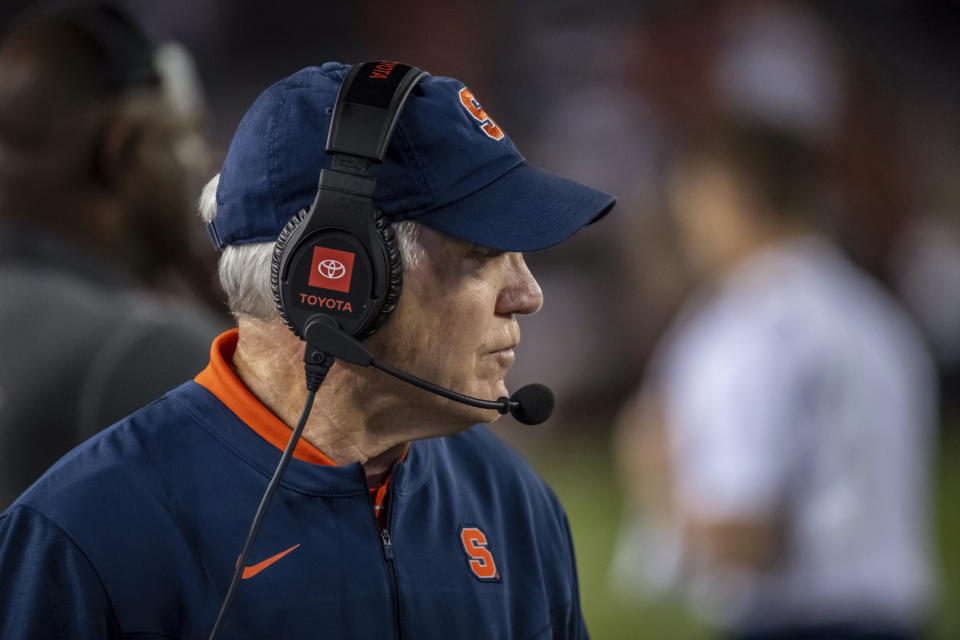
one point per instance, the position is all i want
(341, 425)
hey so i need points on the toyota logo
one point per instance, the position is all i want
(332, 269)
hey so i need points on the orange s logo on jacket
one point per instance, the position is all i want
(479, 557)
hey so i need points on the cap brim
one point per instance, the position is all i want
(525, 209)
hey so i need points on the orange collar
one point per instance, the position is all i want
(220, 380)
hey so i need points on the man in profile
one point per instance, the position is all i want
(398, 515)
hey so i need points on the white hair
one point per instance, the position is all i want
(244, 269)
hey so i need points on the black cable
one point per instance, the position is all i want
(315, 375)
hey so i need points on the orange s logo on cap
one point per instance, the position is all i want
(479, 558)
(470, 103)
(331, 269)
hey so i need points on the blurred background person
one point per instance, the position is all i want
(778, 458)
(782, 444)
(96, 147)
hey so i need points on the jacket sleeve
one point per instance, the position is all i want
(48, 588)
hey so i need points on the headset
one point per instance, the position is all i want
(343, 248)
(336, 272)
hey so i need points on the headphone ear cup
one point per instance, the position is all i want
(282, 240)
(394, 277)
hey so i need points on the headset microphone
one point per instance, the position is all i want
(534, 403)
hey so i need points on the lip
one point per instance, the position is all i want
(503, 357)
(507, 349)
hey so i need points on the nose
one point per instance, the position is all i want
(521, 293)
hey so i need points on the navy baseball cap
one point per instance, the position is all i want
(448, 166)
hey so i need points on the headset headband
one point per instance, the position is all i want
(342, 227)
(368, 107)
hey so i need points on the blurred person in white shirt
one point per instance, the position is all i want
(777, 455)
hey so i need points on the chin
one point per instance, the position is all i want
(456, 416)
(486, 416)
(463, 416)
(494, 390)
(475, 414)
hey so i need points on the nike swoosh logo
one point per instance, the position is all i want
(249, 572)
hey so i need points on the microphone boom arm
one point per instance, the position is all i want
(503, 404)
(531, 404)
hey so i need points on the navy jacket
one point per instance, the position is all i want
(135, 534)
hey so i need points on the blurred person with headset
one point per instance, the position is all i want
(96, 145)
(362, 212)
(777, 457)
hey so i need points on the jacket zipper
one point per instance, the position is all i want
(387, 547)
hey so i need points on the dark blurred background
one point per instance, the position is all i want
(603, 92)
